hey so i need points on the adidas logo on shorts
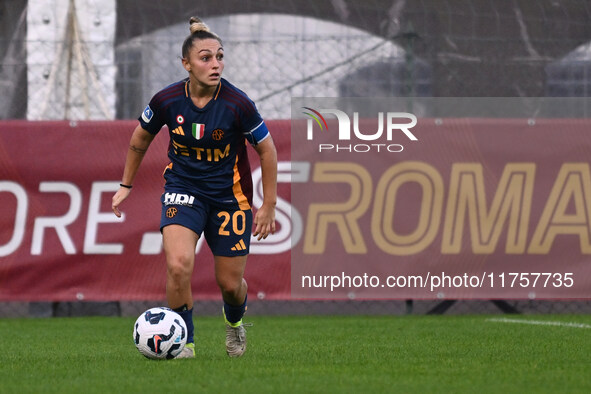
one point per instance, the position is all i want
(239, 246)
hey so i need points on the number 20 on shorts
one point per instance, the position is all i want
(238, 222)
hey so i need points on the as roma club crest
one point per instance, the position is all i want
(171, 212)
(217, 134)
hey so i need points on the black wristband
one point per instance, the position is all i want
(125, 186)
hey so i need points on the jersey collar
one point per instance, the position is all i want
(215, 94)
(192, 105)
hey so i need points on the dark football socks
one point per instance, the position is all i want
(234, 313)
(187, 315)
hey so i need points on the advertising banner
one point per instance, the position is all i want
(388, 202)
(397, 205)
(59, 239)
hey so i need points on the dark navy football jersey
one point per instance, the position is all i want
(207, 148)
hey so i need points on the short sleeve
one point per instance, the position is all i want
(256, 129)
(151, 118)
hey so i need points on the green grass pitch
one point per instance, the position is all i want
(455, 354)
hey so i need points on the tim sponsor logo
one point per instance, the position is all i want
(349, 131)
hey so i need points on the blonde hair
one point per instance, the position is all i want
(196, 24)
(199, 31)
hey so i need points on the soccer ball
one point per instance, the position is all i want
(160, 333)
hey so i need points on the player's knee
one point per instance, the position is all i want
(230, 286)
(179, 267)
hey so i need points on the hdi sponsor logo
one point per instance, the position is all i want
(178, 199)
(388, 124)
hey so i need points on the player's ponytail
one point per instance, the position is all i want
(199, 31)
(196, 24)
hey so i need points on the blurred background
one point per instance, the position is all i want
(80, 60)
(123, 51)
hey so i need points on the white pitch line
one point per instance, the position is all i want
(539, 322)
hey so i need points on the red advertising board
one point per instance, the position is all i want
(475, 208)
(59, 239)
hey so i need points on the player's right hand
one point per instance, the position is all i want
(118, 198)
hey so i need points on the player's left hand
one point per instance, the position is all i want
(264, 221)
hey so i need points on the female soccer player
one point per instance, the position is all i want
(208, 187)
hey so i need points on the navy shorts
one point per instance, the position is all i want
(227, 231)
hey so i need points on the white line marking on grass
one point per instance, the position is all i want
(540, 322)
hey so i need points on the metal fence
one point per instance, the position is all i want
(117, 54)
